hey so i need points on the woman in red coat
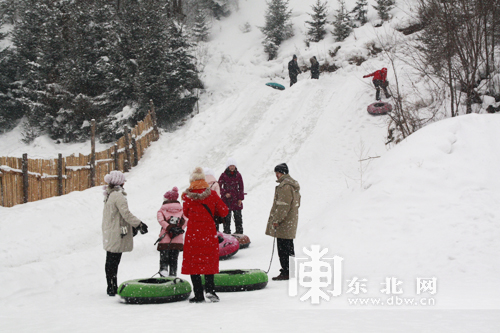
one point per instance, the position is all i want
(201, 245)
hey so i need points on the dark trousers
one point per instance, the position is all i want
(111, 269)
(168, 261)
(381, 84)
(293, 80)
(238, 222)
(285, 250)
(198, 286)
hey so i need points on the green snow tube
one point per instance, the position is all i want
(229, 280)
(154, 290)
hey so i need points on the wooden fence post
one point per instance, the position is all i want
(25, 178)
(136, 156)
(126, 164)
(92, 153)
(116, 156)
(60, 175)
(156, 135)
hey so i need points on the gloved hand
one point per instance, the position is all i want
(134, 231)
(365, 76)
(175, 231)
(143, 228)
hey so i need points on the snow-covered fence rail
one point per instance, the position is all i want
(24, 180)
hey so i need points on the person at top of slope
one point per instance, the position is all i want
(380, 81)
(293, 70)
(314, 68)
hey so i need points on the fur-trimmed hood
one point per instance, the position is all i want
(197, 196)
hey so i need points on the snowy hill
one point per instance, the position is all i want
(426, 208)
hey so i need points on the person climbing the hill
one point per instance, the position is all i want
(314, 68)
(380, 81)
(232, 193)
(284, 218)
(173, 223)
(201, 246)
(293, 70)
(119, 225)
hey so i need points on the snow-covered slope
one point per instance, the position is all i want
(426, 208)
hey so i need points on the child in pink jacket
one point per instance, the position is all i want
(172, 223)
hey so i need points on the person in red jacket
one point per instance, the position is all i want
(380, 81)
(201, 245)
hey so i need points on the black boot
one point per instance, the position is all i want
(238, 222)
(210, 289)
(227, 224)
(163, 263)
(110, 290)
(197, 289)
(172, 262)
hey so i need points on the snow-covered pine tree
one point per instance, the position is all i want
(316, 30)
(200, 27)
(360, 11)
(40, 46)
(11, 109)
(181, 78)
(277, 27)
(87, 73)
(383, 8)
(342, 23)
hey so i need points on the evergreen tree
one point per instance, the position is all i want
(316, 31)
(342, 24)
(200, 28)
(277, 27)
(181, 77)
(87, 72)
(40, 47)
(11, 109)
(383, 8)
(360, 11)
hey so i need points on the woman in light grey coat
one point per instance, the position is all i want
(118, 227)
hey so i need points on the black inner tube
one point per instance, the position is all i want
(234, 272)
(379, 105)
(154, 281)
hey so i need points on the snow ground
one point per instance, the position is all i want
(425, 208)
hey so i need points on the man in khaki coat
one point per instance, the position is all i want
(284, 217)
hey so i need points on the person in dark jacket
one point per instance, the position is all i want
(232, 193)
(119, 225)
(284, 218)
(314, 68)
(380, 81)
(293, 70)
(201, 245)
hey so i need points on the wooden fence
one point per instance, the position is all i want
(24, 180)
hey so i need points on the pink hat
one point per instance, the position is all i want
(172, 195)
(115, 178)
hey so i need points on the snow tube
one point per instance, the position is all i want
(229, 280)
(228, 246)
(243, 240)
(275, 85)
(379, 108)
(154, 290)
